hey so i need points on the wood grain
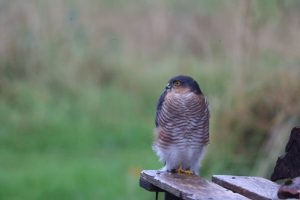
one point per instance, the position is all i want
(188, 187)
(251, 187)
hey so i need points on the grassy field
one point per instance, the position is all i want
(79, 84)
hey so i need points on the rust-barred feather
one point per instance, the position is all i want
(183, 120)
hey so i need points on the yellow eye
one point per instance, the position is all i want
(176, 83)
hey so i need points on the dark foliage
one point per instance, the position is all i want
(288, 165)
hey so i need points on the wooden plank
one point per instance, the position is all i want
(252, 187)
(148, 186)
(290, 189)
(187, 187)
(152, 188)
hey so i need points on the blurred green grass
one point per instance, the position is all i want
(81, 146)
(79, 84)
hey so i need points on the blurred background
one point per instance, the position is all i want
(79, 81)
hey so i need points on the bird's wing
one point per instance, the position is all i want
(159, 106)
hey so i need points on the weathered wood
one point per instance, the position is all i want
(251, 187)
(148, 186)
(291, 189)
(187, 187)
(152, 188)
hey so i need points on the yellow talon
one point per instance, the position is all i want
(182, 171)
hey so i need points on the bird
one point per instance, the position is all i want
(181, 126)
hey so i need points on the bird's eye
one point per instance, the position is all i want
(176, 83)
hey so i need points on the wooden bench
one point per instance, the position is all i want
(192, 187)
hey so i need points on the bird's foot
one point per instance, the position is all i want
(185, 171)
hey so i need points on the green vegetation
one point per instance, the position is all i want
(79, 84)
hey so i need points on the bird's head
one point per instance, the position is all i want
(183, 84)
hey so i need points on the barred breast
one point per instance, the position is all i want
(183, 121)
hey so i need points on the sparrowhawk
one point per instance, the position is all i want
(182, 125)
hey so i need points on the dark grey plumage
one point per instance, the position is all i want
(182, 125)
